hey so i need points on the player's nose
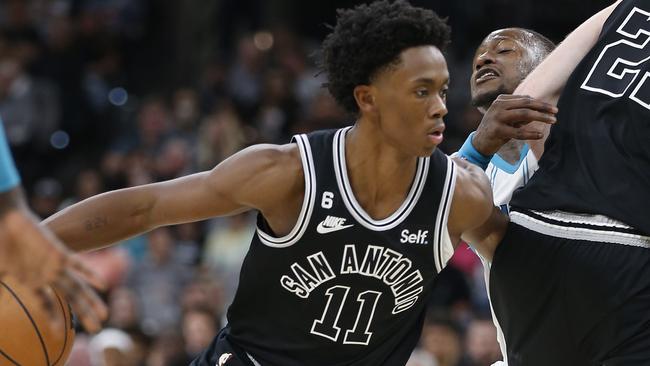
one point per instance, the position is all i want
(485, 58)
(438, 108)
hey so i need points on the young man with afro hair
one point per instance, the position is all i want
(353, 224)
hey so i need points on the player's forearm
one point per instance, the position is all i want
(548, 79)
(104, 219)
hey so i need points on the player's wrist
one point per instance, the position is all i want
(470, 153)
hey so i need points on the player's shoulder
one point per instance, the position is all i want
(262, 175)
(466, 170)
(264, 157)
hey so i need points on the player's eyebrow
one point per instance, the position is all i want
(426, 80)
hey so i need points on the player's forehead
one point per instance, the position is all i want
(511, 35)
(422, 63)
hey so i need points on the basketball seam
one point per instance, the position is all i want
(9, 358)
(65, 329)
(38, 333)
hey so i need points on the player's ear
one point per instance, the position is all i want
(365, 97)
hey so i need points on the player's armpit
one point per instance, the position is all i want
(473, 216)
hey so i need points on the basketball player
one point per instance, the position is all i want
(34, 256)
(502, 60)
(570, 282)
(353, 224)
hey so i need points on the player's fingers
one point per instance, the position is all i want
(511, 96)
(524, 134)
(524, 101)
(518, 133)
(47, 303)
(84, 272)
(522, 116)
(88, 307)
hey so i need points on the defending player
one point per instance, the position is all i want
(34, 256)
(502, 60)
(570, 282)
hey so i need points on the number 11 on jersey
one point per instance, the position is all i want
(327, 325)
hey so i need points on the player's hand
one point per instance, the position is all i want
(36, 258)
(506, 119)
(86, 305)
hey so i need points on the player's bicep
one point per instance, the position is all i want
(242, 182)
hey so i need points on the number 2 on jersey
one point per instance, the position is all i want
(619, 64)
(327, 325)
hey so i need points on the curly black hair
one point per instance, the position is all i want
(369, 38)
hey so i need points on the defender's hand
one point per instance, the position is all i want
(506, 119)
(86, 305)
(36, 258)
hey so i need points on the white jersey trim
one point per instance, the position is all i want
(443, 248)
(254, 361)
(307, 203)
(558, 224)
(355, 208)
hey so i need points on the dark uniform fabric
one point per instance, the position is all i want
(341, 288)
(597, 157)
(568, 302)
(577, 292)
(223, 353)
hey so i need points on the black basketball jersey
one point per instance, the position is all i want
(597, 157)
(343, 288)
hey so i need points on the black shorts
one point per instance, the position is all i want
(222, 352)
(561, 300)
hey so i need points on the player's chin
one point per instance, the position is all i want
(484, 95)
(427, 151)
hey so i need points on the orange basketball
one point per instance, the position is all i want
(26, 336)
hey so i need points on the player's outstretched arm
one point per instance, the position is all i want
(259, 177)
(547, 81)
(473, 216)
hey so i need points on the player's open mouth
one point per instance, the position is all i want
(436, 136)
(486, 74)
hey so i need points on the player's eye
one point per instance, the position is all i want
(422, 92)
(443, 93)
(504, 50)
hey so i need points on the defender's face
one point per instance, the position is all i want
(411, 100)
(501, 62)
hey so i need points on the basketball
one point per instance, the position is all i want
(27, 338)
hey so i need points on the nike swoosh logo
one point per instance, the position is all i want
(324, 229)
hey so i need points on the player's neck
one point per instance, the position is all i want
(367, 147)
(379, 174)
(511, 151)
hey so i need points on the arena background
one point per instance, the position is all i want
(103, 94)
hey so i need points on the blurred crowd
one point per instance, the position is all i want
(98, 95)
